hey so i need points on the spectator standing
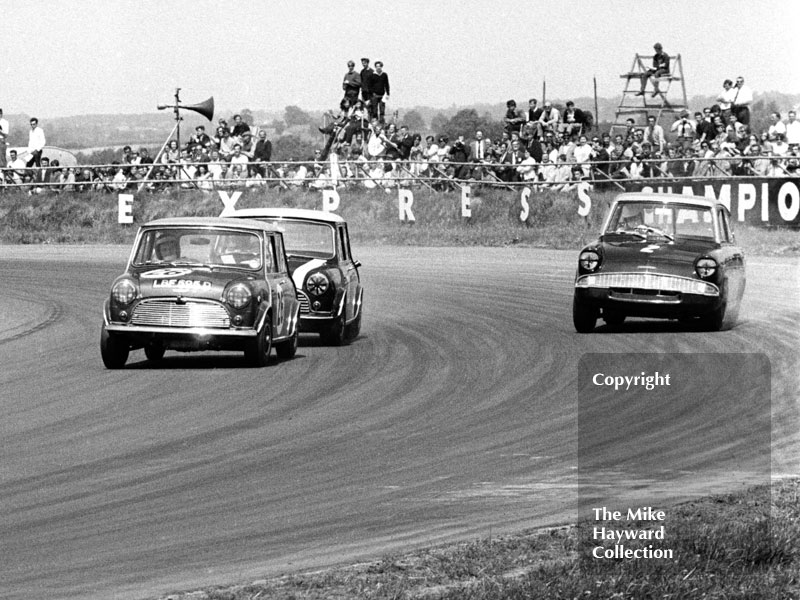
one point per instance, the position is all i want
(352, 83)
(4, 129)
(654, 134)
(660, 68)
(775, 124)
(684, 126)
(404, 143)
(42, 177)
(416, 155)
(705, 128)
(366, 77)
(602, 159)
(726, 97)
(583, 154)
(792, 129)
(478, 153)
(36, 143)
(458, 154)
(248, 145)
(742, 99)
(379, 89)
(262, 153)
(513, 159)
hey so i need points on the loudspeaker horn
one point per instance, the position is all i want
(205, 108)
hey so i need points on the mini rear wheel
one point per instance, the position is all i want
(335, 334)
(287, 349)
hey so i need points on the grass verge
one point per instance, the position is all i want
(719, 553)
(373, 217)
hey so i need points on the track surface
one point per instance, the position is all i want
(454, 415)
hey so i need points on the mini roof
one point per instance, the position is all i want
(287, 213)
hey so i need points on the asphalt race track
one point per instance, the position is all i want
(453, 416)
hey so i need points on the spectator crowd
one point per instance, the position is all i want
(547, 145)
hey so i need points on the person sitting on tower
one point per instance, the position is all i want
(660, 69)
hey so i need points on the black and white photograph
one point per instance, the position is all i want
(404, 301)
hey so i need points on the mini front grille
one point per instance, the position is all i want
(169, 313)
(663, 284)
(305, 307)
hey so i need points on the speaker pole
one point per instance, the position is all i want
(156, 159)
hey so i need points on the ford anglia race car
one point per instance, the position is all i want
(203, 284)
(322, 267)
(663, 256)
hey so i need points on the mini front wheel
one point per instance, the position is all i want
(114, 350)
(257, 351)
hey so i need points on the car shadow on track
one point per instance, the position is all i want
(655, 326)
(199, 361)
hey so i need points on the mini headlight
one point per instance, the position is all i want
(589, 260)
(238, 295)
(317, 284)
(706, 267)
(124, 291)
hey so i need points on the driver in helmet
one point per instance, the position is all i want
(168, 249)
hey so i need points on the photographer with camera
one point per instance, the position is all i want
(684, 126)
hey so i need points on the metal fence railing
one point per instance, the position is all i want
(433, 175)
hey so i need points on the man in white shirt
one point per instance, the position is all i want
(742, 99)
(36, 143)
(583, 154)
(654, 134)
(776, 125)
(3, 137)
(792, 129)
(16, 167)
(725, 98)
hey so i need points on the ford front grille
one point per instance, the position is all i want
(663, 284)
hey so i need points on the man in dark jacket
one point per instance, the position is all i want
(352, 83)
(379, 88)
(262, 153)
(366, 76)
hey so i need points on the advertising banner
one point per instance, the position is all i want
(771, 202)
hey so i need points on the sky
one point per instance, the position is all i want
(102, 57)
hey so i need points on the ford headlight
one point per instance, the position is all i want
(317, 284)
(238, 295)
(706, 267)
(124, 291)
(589, 260)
